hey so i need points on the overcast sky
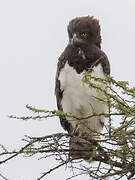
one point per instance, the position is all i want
(33, 34)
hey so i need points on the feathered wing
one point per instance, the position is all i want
(59, 93)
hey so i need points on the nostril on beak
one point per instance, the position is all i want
(74, 39)
(74, 35)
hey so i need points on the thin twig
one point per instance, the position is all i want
(56, 167)
(3, 177)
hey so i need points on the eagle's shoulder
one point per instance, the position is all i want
(96, 56)
(63, 58)
(105, 63)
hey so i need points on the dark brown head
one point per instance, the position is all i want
(84, 31)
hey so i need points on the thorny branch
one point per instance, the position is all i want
(113, 153)
(3, 177)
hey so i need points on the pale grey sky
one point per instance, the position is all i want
(32, 37)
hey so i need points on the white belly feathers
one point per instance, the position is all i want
(81, 100)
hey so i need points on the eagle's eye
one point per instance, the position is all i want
(84, 34)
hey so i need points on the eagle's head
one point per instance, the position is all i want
(84, 31)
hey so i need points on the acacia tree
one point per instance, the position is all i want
(113, 153)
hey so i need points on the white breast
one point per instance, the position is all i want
(81, 100)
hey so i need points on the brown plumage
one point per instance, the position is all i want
(86, 24)
(82, 53)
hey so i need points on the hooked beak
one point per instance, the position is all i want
(76, 40)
